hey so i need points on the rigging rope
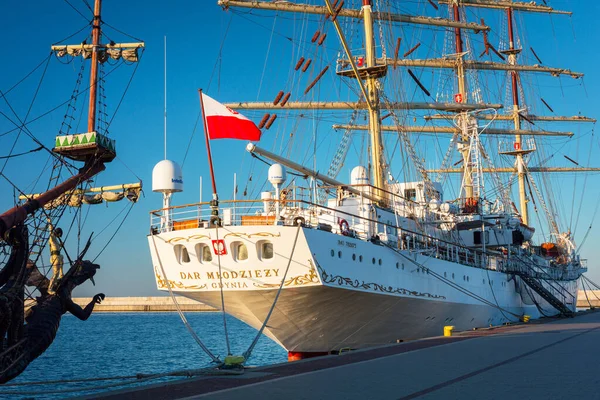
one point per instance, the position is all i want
(22, 154)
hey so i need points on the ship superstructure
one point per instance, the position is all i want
(378, 260)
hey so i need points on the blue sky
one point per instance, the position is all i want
(240, 56)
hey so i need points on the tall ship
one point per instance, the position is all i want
(448, 218)
(46, 247)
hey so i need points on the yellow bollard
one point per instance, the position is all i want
(448, 330)
(526, 318)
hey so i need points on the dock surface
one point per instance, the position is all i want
(548, 360)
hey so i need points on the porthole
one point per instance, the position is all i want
(380, 261)
(203, 253)
(332, 253)
(373, 260)
(403, 266)
(397, 265)
(467, 279)
(453, 275)
(242, 252)
(444, 274)
(353, 257)
(360, 258)
(266, 250)
(239, 251)
(339, 254)
(181, 254)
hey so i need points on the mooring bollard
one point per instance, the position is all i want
(448, 330)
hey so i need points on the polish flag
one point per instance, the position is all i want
(224, 123)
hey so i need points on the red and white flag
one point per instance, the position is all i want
(224, 123)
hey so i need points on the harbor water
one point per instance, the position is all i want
(125, 344)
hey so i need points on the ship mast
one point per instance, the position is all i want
(377, 163)
(96, 34)
(518, 147)
(462, 97)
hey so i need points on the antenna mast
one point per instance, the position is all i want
(165, 97)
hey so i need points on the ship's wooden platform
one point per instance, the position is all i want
(551, 359)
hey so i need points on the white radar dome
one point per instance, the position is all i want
(167, 177)
(359, 176)
(434, 204)
(277, 174)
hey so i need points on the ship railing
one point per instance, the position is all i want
(310, 215)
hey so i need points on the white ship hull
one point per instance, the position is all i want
(331, 299)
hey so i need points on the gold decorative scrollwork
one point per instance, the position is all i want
(162, 283)
(265, 234)
(355, 283)
(196, 237)
(300, 280)
(175, 239)
(249, 235)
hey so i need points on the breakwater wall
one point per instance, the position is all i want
(143, 304)
(593, 298)
(164, 303)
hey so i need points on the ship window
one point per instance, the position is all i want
(206, 254)
(339, 254)
(203, 253)
(397, 265)
(353, 257)
(410, 194)
(181, 254)
(240, 251)
(360, 258)
(265, 249)
(380, 261)
(373, 261)
(332, 253)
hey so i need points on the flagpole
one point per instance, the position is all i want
(214, 204)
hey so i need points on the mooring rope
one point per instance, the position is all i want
(222, 294)
(248, 352)
(181, 314)
(137, 378)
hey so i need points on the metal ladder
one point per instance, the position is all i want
(539, 288)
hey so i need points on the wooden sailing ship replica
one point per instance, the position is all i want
(379, 259)
(33, 300)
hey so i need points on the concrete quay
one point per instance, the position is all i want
(548, 359)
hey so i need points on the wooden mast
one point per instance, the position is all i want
(512, 59)
(377, 162)
(462, 95)
(96, 33)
